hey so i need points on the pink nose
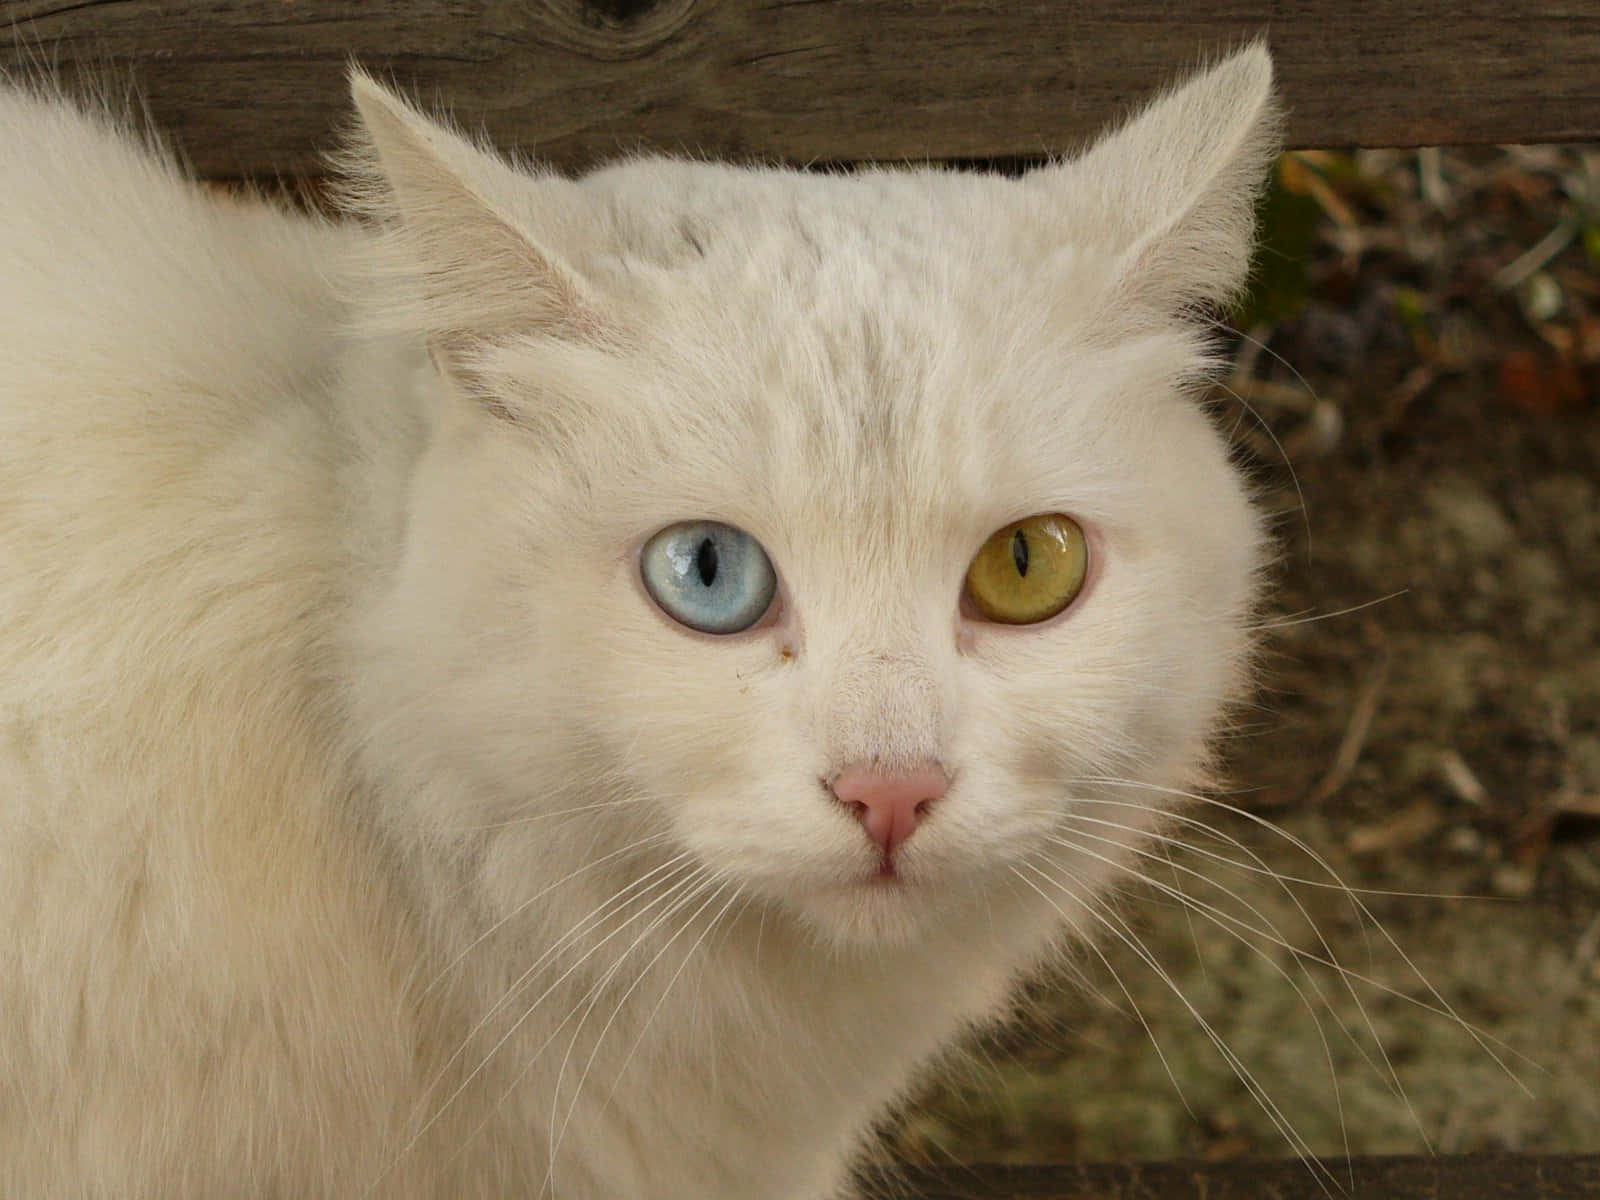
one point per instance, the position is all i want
(890, 805)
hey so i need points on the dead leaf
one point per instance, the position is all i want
(1407, 827)
(1579, 806)
(1539, 386)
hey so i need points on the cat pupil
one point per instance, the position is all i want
(1019, 552)
(705, 561)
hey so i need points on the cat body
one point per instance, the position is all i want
(365, 828)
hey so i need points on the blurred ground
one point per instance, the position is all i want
(1429, 720)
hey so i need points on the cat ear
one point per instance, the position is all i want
(1175, 188)
(475, 274)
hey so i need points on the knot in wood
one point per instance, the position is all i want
(615, 12)
(610, 30)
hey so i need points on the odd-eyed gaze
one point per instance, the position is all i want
(415, 856)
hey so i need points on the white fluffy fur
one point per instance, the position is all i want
(362, 823)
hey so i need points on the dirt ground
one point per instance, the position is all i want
(1428, 724)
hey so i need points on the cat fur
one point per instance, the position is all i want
(364, 827)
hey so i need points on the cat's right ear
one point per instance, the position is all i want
(1172, 192)
(464, 257)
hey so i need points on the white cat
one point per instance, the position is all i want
(575, 688)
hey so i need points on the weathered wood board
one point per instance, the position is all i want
(252, 87)
(1468, 1177)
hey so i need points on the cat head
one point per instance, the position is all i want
(714, 449)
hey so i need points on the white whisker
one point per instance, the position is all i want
(522, 907)
(1294, 476)
(1273, 935)
(1261, 868)
(598, 806)
(593, 996)
(681, 892)
(660, 1000)
(1188, 917)
(1296, 619)
(1232, 926)
(1133, 1005)
(1472, 1031)
(583, 926)
(1109, 920)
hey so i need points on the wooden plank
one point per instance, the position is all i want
(252, 87)
(1468, 1177)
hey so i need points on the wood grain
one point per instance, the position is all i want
(1467, 1177)
(252, 87)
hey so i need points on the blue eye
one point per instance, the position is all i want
(708, 576)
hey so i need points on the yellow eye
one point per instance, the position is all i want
(1030, 570)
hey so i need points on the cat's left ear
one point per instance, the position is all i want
(1172, 193)
(466, 229)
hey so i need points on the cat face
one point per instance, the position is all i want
(851, 381)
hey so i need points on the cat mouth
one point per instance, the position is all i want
(887, 874)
